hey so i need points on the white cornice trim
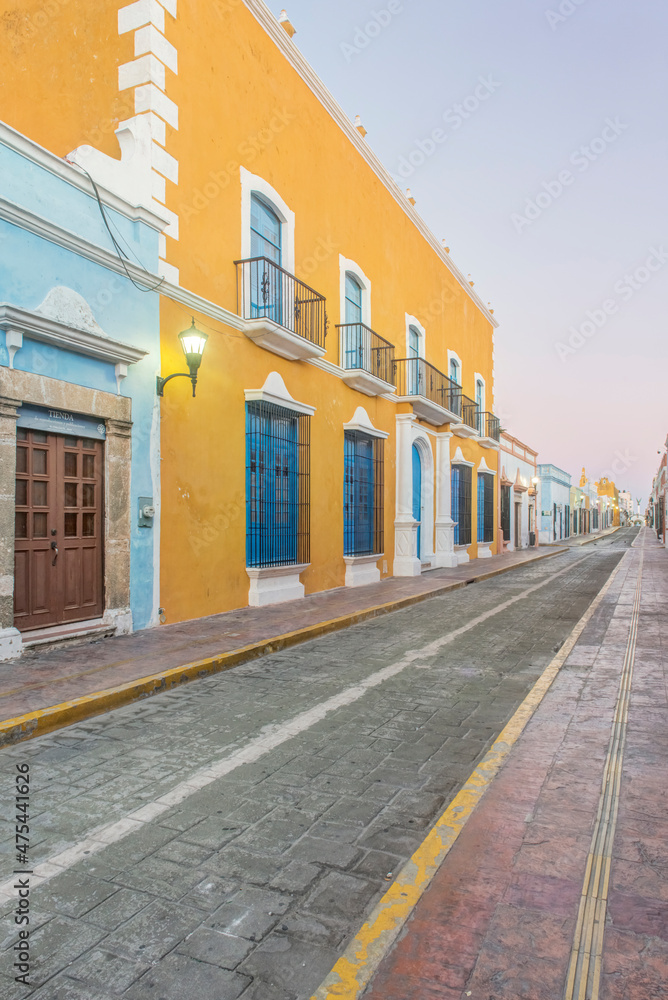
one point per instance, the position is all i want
(50, 331)
(275, 391)
(72, 175)
(288, 48)
(362, 422)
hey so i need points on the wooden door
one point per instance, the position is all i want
(59, 530)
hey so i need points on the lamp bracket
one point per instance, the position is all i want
(160, 383)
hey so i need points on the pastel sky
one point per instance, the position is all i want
(579, 280)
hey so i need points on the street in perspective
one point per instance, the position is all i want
(236, 837)
(333, 570)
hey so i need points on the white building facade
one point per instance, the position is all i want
(555, 504)
(519, 495)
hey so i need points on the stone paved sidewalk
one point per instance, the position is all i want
(499, 919)
(46, 677)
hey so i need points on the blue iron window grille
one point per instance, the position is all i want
(461, 479)
(363, 489)
(266, 286)
(485, 507)
(505, 513)
(277, 485)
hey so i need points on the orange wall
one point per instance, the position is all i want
(335, 194)
(59, 84)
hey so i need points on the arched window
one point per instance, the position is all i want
(414, 366)
(353, 299)
(356, 340)
(480, 394)
(265, 231)
(454, 371)
(413, 342)
(266, 285)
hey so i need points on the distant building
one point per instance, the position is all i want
(585, 517)
(626, 504)
(656, 513)
(555, 503)
(607, 489)
(517, 501)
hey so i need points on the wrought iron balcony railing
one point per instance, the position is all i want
(266, 291)
(489, 426)
(468, 411)
(416, 377)
(361, 349)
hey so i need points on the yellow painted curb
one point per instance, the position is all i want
(46, 720)
(354, 970)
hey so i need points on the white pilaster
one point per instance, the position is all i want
(406, 560)
(445, 555)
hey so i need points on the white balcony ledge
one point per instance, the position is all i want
(367, 383)
(488, 442)
(267, 334)
(425, 409)
(463, 430)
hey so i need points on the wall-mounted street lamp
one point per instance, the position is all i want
(193, 343)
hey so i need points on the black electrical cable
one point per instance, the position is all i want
(123, 257)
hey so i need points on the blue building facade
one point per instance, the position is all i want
(79, 422)
(555, 499)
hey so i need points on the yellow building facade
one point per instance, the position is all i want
(606, 488)
(343, 429)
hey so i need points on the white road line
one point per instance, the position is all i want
(269, 738)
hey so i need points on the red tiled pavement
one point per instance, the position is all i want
(498, 920)
(46, 677)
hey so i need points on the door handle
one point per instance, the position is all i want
(55, 549)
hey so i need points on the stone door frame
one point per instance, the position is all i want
(17, 387)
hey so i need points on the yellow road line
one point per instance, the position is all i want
(354, 970)
(46, 720)
(584, 972)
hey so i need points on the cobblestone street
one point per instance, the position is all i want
(229, 838)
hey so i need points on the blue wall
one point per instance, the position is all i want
(31, 266)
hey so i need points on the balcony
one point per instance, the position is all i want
(434, 396)
(366, 358)
(489, 429)
(466, 424)
(281, 313)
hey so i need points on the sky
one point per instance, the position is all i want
(547, 180)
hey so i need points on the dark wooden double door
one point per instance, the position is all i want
(58, 529)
